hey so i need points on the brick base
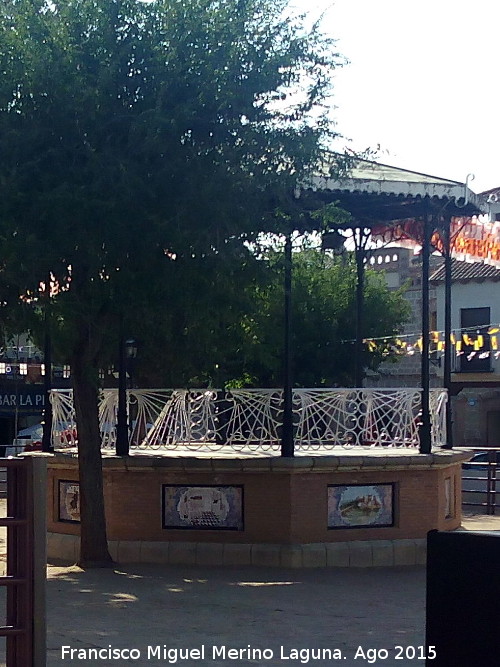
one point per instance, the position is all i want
(285, 504)
(374, 553)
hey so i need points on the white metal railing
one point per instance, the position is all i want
(251, 418)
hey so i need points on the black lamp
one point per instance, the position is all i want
(131, 348)
(333, 240)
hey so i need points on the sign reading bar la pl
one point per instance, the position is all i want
(26, 399)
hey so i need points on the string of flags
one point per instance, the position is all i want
(482, 343)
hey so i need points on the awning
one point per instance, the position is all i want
(377, 192)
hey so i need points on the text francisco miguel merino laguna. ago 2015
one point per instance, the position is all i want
(207, 654)
(172, 656)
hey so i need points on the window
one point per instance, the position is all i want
(474, 323)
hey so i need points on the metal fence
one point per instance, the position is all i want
(252, 418)
(481, 480)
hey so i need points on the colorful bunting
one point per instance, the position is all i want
(465, 342)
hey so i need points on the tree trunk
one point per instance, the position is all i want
(94, 544)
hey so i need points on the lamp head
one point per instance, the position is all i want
(131, 348)
(333, 240)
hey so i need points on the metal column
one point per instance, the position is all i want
(447, 329)
(425, 426)
(287, 439)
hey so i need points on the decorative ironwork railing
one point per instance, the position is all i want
(251, 419)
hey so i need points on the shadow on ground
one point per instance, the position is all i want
(189, 607)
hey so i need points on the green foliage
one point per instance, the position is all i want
(142, 144)
(232, 334)
(143, 141)
(323, 321)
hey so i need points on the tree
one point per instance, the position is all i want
(138, 138)
(230, 328)
(323, 317)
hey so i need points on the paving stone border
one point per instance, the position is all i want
(373, 553)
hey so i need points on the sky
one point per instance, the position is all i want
(422, 83)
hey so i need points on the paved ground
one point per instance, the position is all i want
(189, 608)
(351, 611)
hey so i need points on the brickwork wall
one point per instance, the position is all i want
(280, 507)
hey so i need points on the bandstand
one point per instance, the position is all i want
(368, 474)
(205, 483)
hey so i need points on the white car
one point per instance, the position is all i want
(27, 440)
(30, 439)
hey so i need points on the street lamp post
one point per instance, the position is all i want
(130, 355)
(127, 351)
(47, 378)
(287, 437)
(47, 386)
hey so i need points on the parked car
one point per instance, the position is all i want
(475, 474)
(30, 439)
(480, 457)
(27, 440)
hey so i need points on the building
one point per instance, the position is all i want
(475, 322)
(403, 270)
(22, 390)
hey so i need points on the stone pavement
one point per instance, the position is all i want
(274, 616)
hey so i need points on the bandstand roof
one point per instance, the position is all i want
(374, 192)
